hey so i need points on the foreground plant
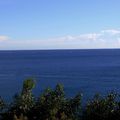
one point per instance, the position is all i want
(52, 104)
(102, 108)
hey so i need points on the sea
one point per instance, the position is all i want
(87, 71)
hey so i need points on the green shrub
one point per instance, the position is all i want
(52, 104)
(102, 108)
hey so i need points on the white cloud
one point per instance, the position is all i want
(111, 31)
(90, 36)
(103, 39)
(3, 38)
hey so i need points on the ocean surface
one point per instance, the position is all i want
(85, 71)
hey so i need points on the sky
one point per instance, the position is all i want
(59, 24)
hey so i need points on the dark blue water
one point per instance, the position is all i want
(86, 71)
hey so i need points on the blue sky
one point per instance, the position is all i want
(59, 24)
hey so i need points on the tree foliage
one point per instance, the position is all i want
(52, 104)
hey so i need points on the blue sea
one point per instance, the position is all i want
(86, 71)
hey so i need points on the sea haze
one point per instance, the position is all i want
(86, 71)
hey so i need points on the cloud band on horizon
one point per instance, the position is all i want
(103, 39)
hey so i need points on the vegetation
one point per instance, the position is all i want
(52, 104)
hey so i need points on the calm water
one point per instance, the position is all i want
(87, 71)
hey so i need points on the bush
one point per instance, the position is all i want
(102, 108)
(52, 104)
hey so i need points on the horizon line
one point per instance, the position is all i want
(60, 49)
